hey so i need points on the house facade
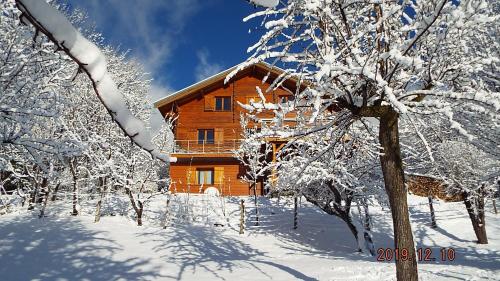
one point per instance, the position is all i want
(207, 130)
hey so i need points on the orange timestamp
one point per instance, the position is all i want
(422, 254)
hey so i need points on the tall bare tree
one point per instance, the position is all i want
(378, 61)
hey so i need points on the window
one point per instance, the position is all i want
(223, 103)
(205, 176)
(205, 136)
(284, 99)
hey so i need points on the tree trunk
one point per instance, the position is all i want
(494, 203)
(242, 216)
(392, 169)
(167, 214)
(138, 208)
(347, 219)
(54, 195)
(139, 213)
(22, 195)
(33, 196)
(368, 219)
(335, 207)
(46, 199)
(97, 216)
(102, 183)
(433, 215)
(477, 218)
(75, 189)
(367, 227)
(256, 203)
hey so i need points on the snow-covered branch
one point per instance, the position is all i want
(90, 60)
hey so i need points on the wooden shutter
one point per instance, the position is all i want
(190, 175)
(219, 175)
(209, 103)
(193, 136)
(219, 136)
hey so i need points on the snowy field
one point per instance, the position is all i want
(61, 247)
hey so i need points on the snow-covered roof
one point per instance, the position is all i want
(210, 80)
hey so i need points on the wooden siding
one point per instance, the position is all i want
(194, 115)
(227, 172)
(197, 111)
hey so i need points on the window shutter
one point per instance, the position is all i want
(192, 139)
(219, 136)
(196, 175)
(209, 103)
(219, 175)
(189, 175)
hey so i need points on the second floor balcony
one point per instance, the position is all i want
(206, 146)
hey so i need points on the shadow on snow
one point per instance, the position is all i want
(191, 247)
(51, 249)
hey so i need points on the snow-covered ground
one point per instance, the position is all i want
(61, 247)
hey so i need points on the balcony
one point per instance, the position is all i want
(206, 147)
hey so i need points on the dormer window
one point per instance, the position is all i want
(222, 103)
(285, 99)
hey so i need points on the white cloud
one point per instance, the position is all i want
(205, 68)
(150, 28)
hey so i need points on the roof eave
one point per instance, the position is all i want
(179, 94)
(203, 83)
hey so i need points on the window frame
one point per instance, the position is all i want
(226, 103)
(205, 139)
(199, 171)
(288, 98)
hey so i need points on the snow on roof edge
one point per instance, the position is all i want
(178, 94)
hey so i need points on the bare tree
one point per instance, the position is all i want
(378, 61)
(472, 173)
(254, 154)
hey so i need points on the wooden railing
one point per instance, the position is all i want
(205, 147)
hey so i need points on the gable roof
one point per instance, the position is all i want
(211, 80)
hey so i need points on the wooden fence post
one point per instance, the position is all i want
(433, 215)
(166, 219)
(295, 212)
(242, 216)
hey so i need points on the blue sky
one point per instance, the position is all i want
(178, 41)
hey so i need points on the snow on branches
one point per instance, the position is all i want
(466, 168)
(420, 57)
(265, 3)
(90, 60)
(32, 78)
(363, 62)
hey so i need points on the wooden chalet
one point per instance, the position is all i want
(207, 130)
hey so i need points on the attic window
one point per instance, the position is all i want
(285, 99)
(222, 103)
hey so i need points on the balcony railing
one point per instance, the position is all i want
(205, 147)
